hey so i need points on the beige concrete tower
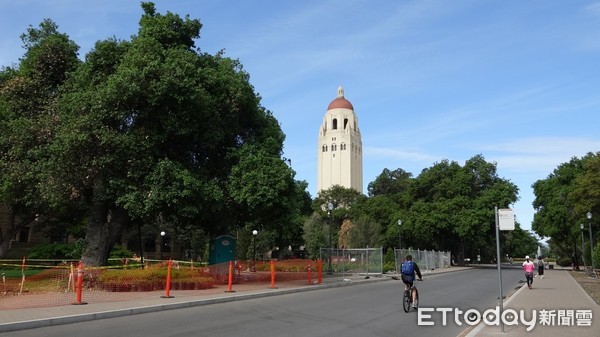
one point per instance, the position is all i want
(340, 147)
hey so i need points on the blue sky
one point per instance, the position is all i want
(515, 81)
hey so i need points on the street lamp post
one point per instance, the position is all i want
(162, 243)
(589, 216)
(399, 234)
(582, 244)
(254, 234)
(329, 212)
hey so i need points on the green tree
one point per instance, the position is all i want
(384, 212)
(586, 195)
(365, 232)
(152, 131)
(517, 243)
(596, 256)
(28, 115)
(557, 203)
(263, 189)
(315, 234)
(453, 206)
(343, 201)
(390, 183)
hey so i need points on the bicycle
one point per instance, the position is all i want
(407, 299)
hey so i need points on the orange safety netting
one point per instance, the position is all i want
(43, 283)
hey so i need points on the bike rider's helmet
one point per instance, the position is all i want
(527, 257)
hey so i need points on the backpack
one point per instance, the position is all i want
(408, 268)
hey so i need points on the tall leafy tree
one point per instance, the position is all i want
(365, 232)
(151, 130)
(453, 206)
(28, 115)
(563, 199)
(263, 190)
(390, 183)
(586, 190)
(384, 211)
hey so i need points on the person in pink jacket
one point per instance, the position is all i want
(528, 267)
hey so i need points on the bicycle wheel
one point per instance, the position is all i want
(416, 297)
(406, 301)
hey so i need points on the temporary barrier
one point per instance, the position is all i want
(79, 285)
(22, 276)
(319, 271)
(358, 261)
(230, 279)
(273, 275)
(168, 285)
(30, 283)
(426, 260)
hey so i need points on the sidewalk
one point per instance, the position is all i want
(560, 295)
(144, 302)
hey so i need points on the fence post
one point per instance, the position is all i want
(71, 283)
(22, 275)
(79, 284)
(320, 271)
(309, 273)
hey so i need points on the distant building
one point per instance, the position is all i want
(340, 147)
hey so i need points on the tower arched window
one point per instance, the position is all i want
(342, 146)
(345, 123)
(335, 124)
(324, 148)
(333, 147)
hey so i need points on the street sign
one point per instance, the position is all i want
(506, 219)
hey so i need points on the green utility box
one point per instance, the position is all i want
(222, 249)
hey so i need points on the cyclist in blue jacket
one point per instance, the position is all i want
(408, 270)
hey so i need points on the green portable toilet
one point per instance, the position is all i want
(222, 249)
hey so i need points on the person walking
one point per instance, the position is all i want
(528, 268)
(541, 266)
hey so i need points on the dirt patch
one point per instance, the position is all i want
(590, 285)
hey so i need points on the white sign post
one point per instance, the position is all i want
(505, 220)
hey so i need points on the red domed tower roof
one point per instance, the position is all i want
(340, 102)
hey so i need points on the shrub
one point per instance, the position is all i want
(55, 251)
(563, 262)
(152, 279)
(389, 266)
(596, 256)
(296, 265)
(120, 252)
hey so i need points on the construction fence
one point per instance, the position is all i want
(427, 260)
(360, 261)
(45, 283)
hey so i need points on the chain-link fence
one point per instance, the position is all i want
(359, 261)
(426, 260)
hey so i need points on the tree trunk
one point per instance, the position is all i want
(12, 229)
(105, 225)
(4, 242)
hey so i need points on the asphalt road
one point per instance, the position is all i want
(371, 309)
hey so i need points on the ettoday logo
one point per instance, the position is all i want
(567, 317)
